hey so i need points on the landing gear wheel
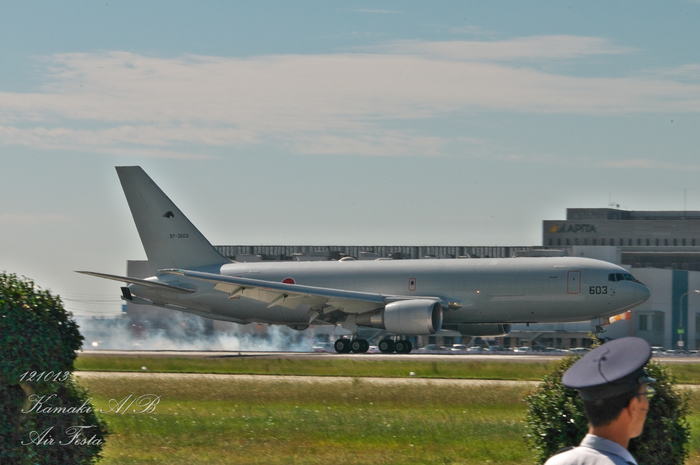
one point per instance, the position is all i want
(359, 346)
(404, 346)
(386, 346)
(342, 345)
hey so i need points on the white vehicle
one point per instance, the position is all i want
(322, 347)
(476, 297)
(432, 349)
(458, 348)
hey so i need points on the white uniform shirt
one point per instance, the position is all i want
(594, 450)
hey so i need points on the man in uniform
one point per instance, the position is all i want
(614, 387)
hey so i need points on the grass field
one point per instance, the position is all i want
(256, 422)
(362, 366)
(223, 420)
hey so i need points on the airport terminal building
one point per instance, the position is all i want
(660, 248)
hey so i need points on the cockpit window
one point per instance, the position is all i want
(614, 277)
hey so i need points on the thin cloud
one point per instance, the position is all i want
(387, 144)
(27, 219)
(128, 134)
(316, 104)
(384, 12)
(642, 163)
(689, 72)
(526, 48)
(472, 30)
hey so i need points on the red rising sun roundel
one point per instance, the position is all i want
(288, 281)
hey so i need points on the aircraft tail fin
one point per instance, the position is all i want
(168, 237)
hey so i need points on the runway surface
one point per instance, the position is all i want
(522, 358)
(298, 379)
(519, 358)
(427, 382)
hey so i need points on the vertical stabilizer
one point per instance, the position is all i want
(168, 237)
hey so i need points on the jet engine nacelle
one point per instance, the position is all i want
(492, 330)
(414, 317)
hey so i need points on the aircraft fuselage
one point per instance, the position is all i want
(510, 290)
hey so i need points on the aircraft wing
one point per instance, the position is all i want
(291, 295)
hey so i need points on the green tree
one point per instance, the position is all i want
(38, 344)
(556, 419)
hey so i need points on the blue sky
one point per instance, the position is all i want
(368, 123)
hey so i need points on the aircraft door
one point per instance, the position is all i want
(574, 282)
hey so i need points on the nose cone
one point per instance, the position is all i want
(642, 293)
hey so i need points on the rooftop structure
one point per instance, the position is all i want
(647, 239)
(251, 253)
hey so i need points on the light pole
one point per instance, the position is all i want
(684, 319)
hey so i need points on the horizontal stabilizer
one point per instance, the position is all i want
(142, 282)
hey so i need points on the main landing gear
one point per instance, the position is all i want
(345, 345)
(391, 345)
(387, 345)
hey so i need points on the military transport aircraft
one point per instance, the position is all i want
(476, 297)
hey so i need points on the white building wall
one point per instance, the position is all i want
(601, 252)
(660, 284)
(693, 309)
